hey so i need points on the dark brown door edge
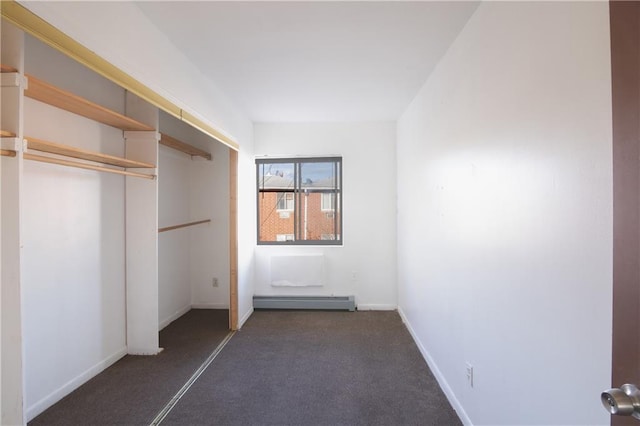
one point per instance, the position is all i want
(625, 66)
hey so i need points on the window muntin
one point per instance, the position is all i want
(299, 198)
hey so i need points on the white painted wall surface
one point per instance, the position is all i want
(209, 199)
(174, 250)
(120, 33)
(505, 215)
(369, 193)
(73, 260)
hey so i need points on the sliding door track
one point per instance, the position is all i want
(167, 408)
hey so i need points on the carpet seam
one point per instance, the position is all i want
(183, 390)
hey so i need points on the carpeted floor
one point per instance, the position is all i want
(136, 388)
(317, 368)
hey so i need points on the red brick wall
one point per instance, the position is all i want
(318, 221)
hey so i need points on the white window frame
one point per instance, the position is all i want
(300, 189)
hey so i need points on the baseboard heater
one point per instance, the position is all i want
(333, 303)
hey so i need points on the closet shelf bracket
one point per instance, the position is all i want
(12, 79)
(9, 145)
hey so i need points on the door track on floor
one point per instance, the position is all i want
(167, 408)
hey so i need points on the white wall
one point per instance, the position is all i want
(365, 266)
(174, 250)
(73, 262)
(120, 33)
(505, 216)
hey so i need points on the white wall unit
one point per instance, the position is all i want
(369, 181)
(504, 214)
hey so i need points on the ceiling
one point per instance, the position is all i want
(313, 61)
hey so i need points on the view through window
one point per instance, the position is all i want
(299, 200)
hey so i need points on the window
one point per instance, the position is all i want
(327, 202)
(299, 201)
(285, 201)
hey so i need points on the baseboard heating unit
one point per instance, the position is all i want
(333, 303)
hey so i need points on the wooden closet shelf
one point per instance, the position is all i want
(70, 151)
(52, 160)
(7, 68)
(184, 225)
(7, 134)
(7, 153)
(49, 94)
(174, 143)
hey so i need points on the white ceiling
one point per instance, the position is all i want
(314, 61)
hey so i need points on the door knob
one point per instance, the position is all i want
(623, 401)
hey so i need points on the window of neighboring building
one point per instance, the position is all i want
(327, 201)
(299, 200)
(285, 201)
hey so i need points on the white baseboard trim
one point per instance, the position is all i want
(245, 317)
(73, 384)
(177, 314)
(376, 307)
(209, 306)
(444, 385)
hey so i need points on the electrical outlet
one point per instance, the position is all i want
(469, 368)
(214, 282)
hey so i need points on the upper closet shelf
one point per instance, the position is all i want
(70, 151)
(49, 94)
(7, 134)
(184, 147)
(7, 68)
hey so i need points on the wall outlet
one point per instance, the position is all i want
(214, 282)
(469, 369)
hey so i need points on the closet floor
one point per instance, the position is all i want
(134, 389)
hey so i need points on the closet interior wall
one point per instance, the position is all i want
(73, 236)
(192, 189)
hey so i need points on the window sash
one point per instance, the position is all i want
(299, 190)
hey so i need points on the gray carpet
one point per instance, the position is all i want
(317, 368)
(136, 388)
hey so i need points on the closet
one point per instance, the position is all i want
(193, 199)
(115, 221)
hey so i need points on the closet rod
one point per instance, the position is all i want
(52, 160)
(184, 225)
(7, 153)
